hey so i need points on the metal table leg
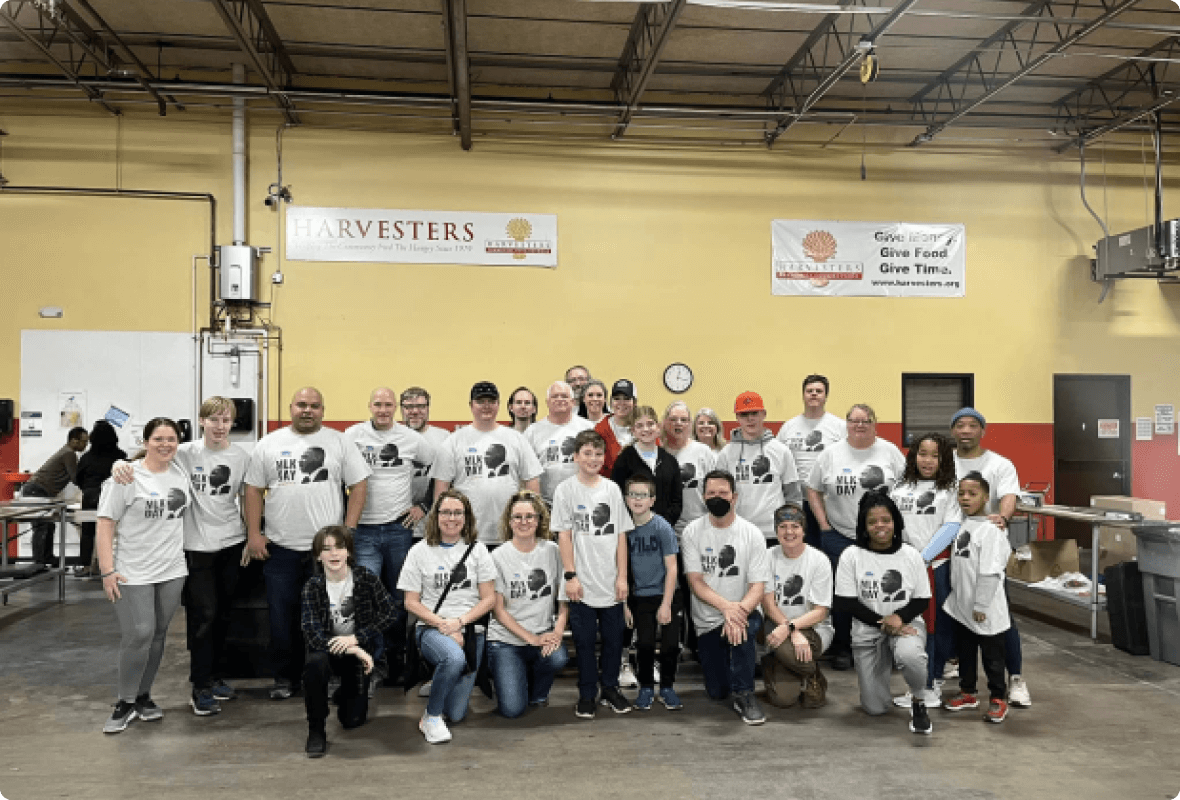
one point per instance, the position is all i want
(61, 555)
(1094, 532)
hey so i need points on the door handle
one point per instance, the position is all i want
(1117, 475)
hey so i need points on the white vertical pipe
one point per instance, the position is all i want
(239, 133)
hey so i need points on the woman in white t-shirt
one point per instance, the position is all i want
(707, 429)
(144, 575)
(525, 650)
(594, 398)
(431, 565)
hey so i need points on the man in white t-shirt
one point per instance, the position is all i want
(487, 462)
(808, 435)
(726, 561)
(967, 429)
(552, 439)
(578, 378)
(385, 532)
(762, 466)
(302, 468)
(415, 403)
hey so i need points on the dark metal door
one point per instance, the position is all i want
(1085, 463)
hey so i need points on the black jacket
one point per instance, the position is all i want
(374, 613)
(669, 485)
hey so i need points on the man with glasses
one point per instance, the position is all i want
(415, 403)
(578, 377)
(552, 439)
(487, 462)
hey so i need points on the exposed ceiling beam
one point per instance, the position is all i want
(81, 47)
(645, 43)
(994, 80)
(839, 43)
(250, 25)
(455, 19)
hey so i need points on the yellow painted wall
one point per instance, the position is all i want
(664, 256)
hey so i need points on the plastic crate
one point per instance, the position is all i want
(1126, 609)
(1159, 564)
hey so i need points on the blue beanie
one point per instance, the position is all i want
(968, 412)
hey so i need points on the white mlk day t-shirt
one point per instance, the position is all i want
(980, 549)
(149, 523)
(696, 461)
(884, 582)
(842, 474)
(800, 584)
(807, 438)
(596, 517)
(428, 569)
(764, 471)
(924, 508)
(214, 521)
(554, 446)
(999, 472)
(395, 456)
(729, 560)
(530, 584)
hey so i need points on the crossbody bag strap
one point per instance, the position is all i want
(451, 581)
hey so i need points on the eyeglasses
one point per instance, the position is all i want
(415, 406)
(860, 422)
(523, 517)
(448, 512)
(638, 496)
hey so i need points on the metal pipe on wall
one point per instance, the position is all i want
(239, 137)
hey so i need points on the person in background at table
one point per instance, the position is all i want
(882, 583)
(967, 429)
(552, 439)
(594, 401)
(415, 405)
(840, 477)
(94, 467)
(522, 408)
(808, 435)
(926, 498)
(615, 430)
(144, 577)
(577, 377)
(345, 611)
(525, 649)
(56, 473)
(706, 428)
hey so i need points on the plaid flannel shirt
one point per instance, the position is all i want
(374, 613)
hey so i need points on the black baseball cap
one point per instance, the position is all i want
(624, 387)
(485, 389)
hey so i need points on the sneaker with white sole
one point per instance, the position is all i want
(645, 699)
(997, 711)
(434, 729)
(931, 698)
(919, 719)
(147, 709)
(613, 699)
(961, 702)
(585, 708)
(223, 691)
(950, 670)
(204, 703)
(747, 707)
(281, 689)
(904, 700)
(1018, 695)
(120, 718)
(627, 679)
(670, 699)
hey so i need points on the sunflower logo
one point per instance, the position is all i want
(520, 230)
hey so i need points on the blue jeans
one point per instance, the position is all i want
(522, 675)
(285, 572)
(729, 668)
(1013, 658)
(940, 645)
(833, 543)
(587, 622)
(381, 549)
(450, 690)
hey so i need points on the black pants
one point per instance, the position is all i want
(689, 631)
(643, 612)
(352, 700)
(43, 529)
(208, 596)
(969, 644)
(87, 530)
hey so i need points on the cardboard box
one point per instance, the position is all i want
(1116, 545)
(1049, 559)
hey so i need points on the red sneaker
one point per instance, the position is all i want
(962, 701)
(996, 711)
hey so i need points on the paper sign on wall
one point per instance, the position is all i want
(72, 410)
(1165, 419)
(1108, 429)
(1143, 428)
(31, 424)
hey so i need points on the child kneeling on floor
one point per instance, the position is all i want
(977, 603)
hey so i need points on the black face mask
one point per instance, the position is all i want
(718, 506)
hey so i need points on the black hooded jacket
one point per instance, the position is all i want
(852, 605)
(94, 466)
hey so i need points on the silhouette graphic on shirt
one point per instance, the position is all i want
(420, 468)
(567, 450)
(872, 478)
(388, 457)
(343, 613)
(791, 591)
(494, 459)
(726, 566)
(760, 469)
(177, 500)
(963, 545)
(600, 519)
(311, 464)
(891, 583)
(539, 584)
(219, 479)
(459, 578)
(688, 475)
(925, 503)
(814, 442)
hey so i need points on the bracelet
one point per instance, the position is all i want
(107, 575)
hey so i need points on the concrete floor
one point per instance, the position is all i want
(1104, 724)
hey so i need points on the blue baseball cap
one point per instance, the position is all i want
(968, 412)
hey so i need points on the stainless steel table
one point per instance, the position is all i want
(15, 511)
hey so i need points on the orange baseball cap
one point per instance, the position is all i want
(748, 401)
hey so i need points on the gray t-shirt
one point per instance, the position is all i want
(554, 446)
(531, 585)
(489, 467)
(214, 521)
(596, 517)
(765, 475)
(649, 544)
(423, 484)
(696, 460)
(428, 569)
(149, 523)
(303, 476)
(800, 584)
(394, 456)
(843, 473)
(341, 605)
(729, 559)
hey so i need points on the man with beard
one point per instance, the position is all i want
(415, 404)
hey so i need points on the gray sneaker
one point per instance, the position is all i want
(122, 716)
(746, 705)
(147, 709)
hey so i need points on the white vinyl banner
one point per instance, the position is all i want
(395, 236)
(867, 259)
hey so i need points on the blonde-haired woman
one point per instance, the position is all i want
(706, 428)
(525, 651)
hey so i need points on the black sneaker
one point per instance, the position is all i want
(147, 709)
(585, 708)
(223, 691)
(746, 705)
(204, 703)
(120, 718)
(281, 690)
(920, 720)
(842, 661)
(613, 699)
(317, 743)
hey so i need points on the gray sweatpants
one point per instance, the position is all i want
(144, 613)
(875, 656)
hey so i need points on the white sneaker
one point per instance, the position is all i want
(951, 670)
(424, 689)
(627, 678)
(1018, 692)
(934, 697)
(931, 697)
(434, 729)
(904, 700)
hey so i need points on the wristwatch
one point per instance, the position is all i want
(569, 576)
(791, 628)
